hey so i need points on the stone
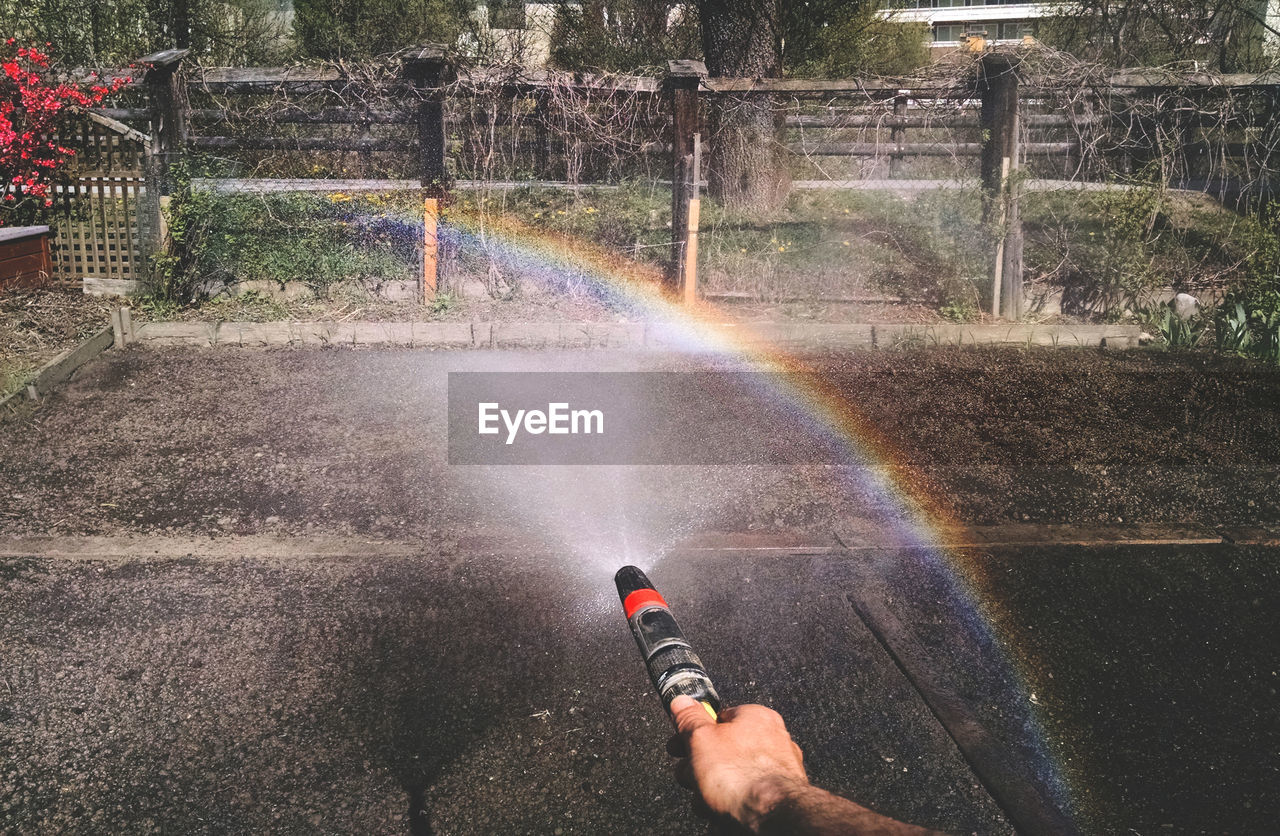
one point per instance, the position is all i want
(1185, 306)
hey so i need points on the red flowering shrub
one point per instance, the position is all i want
(32, 108)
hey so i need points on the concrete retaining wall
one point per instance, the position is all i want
(627, 334)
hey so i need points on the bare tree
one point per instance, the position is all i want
(1217, 35)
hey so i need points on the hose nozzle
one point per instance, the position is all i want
(673, 667)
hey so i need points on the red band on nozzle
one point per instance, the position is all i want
(640, 598)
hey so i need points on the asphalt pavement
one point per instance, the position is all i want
(236, 690)
(477, 693)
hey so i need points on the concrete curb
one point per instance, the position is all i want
(763, 544)
(614, 335)
(864, 535)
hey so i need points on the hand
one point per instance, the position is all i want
(742, 766)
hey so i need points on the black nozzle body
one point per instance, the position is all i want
(629, 579)
(673, 667)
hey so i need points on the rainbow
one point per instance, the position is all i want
(916, 521)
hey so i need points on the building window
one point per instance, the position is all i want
(1014, 30)
(948, 33)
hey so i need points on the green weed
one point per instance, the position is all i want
(1182, 333)
(959, 310)
(157, 307)
(442, 303)
(1232, 331)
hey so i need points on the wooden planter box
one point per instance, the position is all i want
(24, 256)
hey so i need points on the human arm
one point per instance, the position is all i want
(747, 767)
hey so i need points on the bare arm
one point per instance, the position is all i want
(746, 767)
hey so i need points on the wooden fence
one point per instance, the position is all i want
(439, 126)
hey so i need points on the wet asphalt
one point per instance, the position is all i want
(482, 694)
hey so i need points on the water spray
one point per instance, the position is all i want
(673, 667)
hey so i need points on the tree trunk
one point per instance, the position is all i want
(747, 159)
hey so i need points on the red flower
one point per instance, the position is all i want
(31, 111)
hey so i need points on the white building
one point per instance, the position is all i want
(521, 35)
(950, 21)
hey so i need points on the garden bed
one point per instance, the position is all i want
(1084, 251)
(37, 325)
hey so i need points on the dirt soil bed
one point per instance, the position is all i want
(243, 441)
(346, 306)
(37, 325)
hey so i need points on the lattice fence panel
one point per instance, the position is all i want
(99, 232)
(101, 235)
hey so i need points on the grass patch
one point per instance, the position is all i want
(316, 239)
(14, 373)
(819, 245)
(1108, 250)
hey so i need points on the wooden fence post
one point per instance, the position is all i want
(898, 134)
(542, 141)
(998, 88)
(167, 106)
(681, 86)
(427, 71)
(430, 249)
(689, 273)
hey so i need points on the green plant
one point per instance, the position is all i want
(1260, 236)
(1128, 217)
(250, 306)
(157, 307)
(1182, 333)
(1264, 328)
(1269, 346)
(1173, 330)
(1232, 330)
(442, 303)
(1249, 324)
(959, 310)
(1107, 250)
(219, 240)
(175, 273)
